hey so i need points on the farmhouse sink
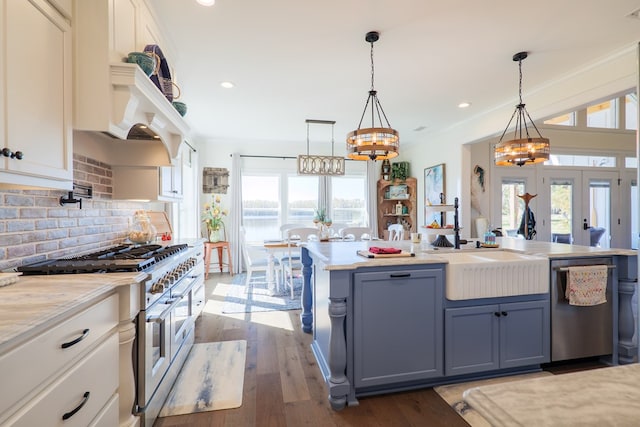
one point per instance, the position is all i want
(490, 274)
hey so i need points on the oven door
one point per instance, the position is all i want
(183, 316)
(155, 349)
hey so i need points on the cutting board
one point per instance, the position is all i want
(402, 254)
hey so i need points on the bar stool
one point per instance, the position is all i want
(208, 248)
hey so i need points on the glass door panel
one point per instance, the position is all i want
(512, 205)
(597, 224)
(561, 215)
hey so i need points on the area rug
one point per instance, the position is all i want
(255, 297)
(452, 394)
(212, 378)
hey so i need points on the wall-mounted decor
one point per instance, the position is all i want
(398, 191)
(434, 185)
(215, 180)
(400, 171)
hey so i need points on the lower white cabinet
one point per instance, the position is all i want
(67, 375)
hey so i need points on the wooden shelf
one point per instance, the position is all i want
(386, 207)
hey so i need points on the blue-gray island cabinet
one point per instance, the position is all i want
(377, 329)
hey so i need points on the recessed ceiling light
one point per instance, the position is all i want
(206, 2)
(464, 105)
(227, 85)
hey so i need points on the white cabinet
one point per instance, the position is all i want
(35, 96)
(171, 181)
(72, 369)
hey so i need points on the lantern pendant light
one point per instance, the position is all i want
(378, 142)
(522, 149)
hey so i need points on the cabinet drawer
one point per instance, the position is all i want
(108, 417)
(93, 381)
(37, 361)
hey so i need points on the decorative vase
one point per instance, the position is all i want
(214, 236)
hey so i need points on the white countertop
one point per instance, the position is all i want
(343, 255)
(27, 306)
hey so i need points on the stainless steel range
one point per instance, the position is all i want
(171, 299)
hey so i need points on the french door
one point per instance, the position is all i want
(584, 208)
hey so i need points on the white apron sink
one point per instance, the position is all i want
(490, 274)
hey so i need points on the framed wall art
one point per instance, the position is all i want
(434, 185)
(215, 180)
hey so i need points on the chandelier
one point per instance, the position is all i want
(522, 148)
(375, 142)
(310, 164)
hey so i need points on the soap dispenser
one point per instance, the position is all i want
(399, 208)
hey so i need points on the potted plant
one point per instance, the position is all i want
(400, 171)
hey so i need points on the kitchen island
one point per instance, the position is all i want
(382, 325)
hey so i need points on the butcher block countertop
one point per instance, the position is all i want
(29, 305)
(344, 256)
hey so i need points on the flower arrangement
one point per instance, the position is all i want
(213, 214)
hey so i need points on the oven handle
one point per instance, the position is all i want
(165, 313)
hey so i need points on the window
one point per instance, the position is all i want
(631, 111)
(561, 211)
(348, 205)
(581, 160)
(273, 194)
(563, 120)
(261, 206)
(302, 199)
(603, 115)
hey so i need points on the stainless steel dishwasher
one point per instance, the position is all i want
(579, 331)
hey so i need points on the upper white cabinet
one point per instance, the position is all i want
(35, 96)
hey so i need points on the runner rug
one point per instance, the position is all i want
(212, 378)
(452, 394)
(256, 297)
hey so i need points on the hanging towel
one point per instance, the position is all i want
(587, 285)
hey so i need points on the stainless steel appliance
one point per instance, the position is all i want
(171, 299)
(578, 331)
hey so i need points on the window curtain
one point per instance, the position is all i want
(370, 197)
(236, 217)
(324, 198)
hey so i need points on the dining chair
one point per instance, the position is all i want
(286, 227)
(355, 233)
(291, 263)
(254, 261)
(396, 232)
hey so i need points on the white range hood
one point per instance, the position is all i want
(129, 100)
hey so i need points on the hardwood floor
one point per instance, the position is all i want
(283, 385)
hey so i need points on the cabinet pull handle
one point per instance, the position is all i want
(495, 313)
(504, 313)
(77, 340)
(397, 275)
(85, 399)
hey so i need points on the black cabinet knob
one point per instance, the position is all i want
(495, 313)
(504, 313)
(18, 155)
(6, 152)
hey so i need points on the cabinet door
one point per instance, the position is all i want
(37, 82)
(524, 334)
(397, 326)
(471, 339)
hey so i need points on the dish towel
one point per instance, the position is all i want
(587, 285)
(378, 250)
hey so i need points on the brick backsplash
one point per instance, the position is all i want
(34, 227)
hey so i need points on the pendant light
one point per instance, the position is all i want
(316, 164)
(376, 142)
(522, 149)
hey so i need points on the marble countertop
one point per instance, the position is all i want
(28, 306)
(343, 255)
(600, 397)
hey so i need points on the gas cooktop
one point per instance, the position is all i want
(121, 258)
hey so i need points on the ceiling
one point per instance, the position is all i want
(292, 60)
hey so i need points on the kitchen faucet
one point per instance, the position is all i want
(456, 225)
